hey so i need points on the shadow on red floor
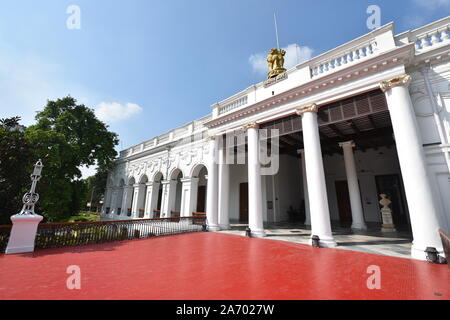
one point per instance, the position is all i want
(216, 266)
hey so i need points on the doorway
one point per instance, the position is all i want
(243, 202)
(201, 198)
(343, 197)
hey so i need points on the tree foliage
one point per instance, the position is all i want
(15, 165)
(66, 136)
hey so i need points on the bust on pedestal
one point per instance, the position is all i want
(386, 214)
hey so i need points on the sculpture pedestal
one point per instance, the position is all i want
(388, 224)
(23, 233)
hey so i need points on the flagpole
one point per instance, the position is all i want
(276, 30)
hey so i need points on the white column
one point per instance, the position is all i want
(151, 200)
(255, 210)
(189, 196)
(134, 205)
(305, 188)
(353, 186)
(168, 197)
(108, 203)
(224, 190)
(112, 203)
(317, 190)
(126, 203)
(212, 187)
(140, 203)
(423, 210)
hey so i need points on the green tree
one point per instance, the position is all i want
(15, 167)
(96, 186)
(68, 136)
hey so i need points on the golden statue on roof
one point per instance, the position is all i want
(275, 61)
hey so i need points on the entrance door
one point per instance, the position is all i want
(201, 196)
(345, 209)
(243, 202)
(392, 186)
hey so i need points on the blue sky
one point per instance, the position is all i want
(150, 66)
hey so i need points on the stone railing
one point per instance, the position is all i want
(343, 57)
(431, 36)
(198, 124)
(233, 105)
(173, 135)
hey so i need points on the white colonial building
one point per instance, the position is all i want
(369, 117)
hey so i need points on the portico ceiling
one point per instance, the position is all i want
(364, 119)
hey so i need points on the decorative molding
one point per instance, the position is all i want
(347, 144)
(251, 125)
(309, 108)
(403, 80)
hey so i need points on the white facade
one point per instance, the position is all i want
(402, 147)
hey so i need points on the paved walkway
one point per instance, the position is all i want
(216, 266)
(396, 244)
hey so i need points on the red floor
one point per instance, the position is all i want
(216, 266)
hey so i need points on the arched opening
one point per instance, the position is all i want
(176, 176)
(119, 198)
(201, 173)
(157, 185)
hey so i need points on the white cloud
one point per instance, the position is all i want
(114, 111)
(295, 54)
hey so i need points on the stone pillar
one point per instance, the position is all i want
(353, 186)
(151, 200)
(423, 210)
(255, 210)
(189, 196)
(140, 202)
(212, 187)
(134, 204)
(224, 190)
(111, 204)
(127, 197)
(108, 203)
(305, 188)
(317, 190)
(168, 197)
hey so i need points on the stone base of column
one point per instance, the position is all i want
(359, 226)
(418, 252)
(388, 228)
(258, 233)
(23, 233)
(224, 227)
(325, 242)
(213, 228)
